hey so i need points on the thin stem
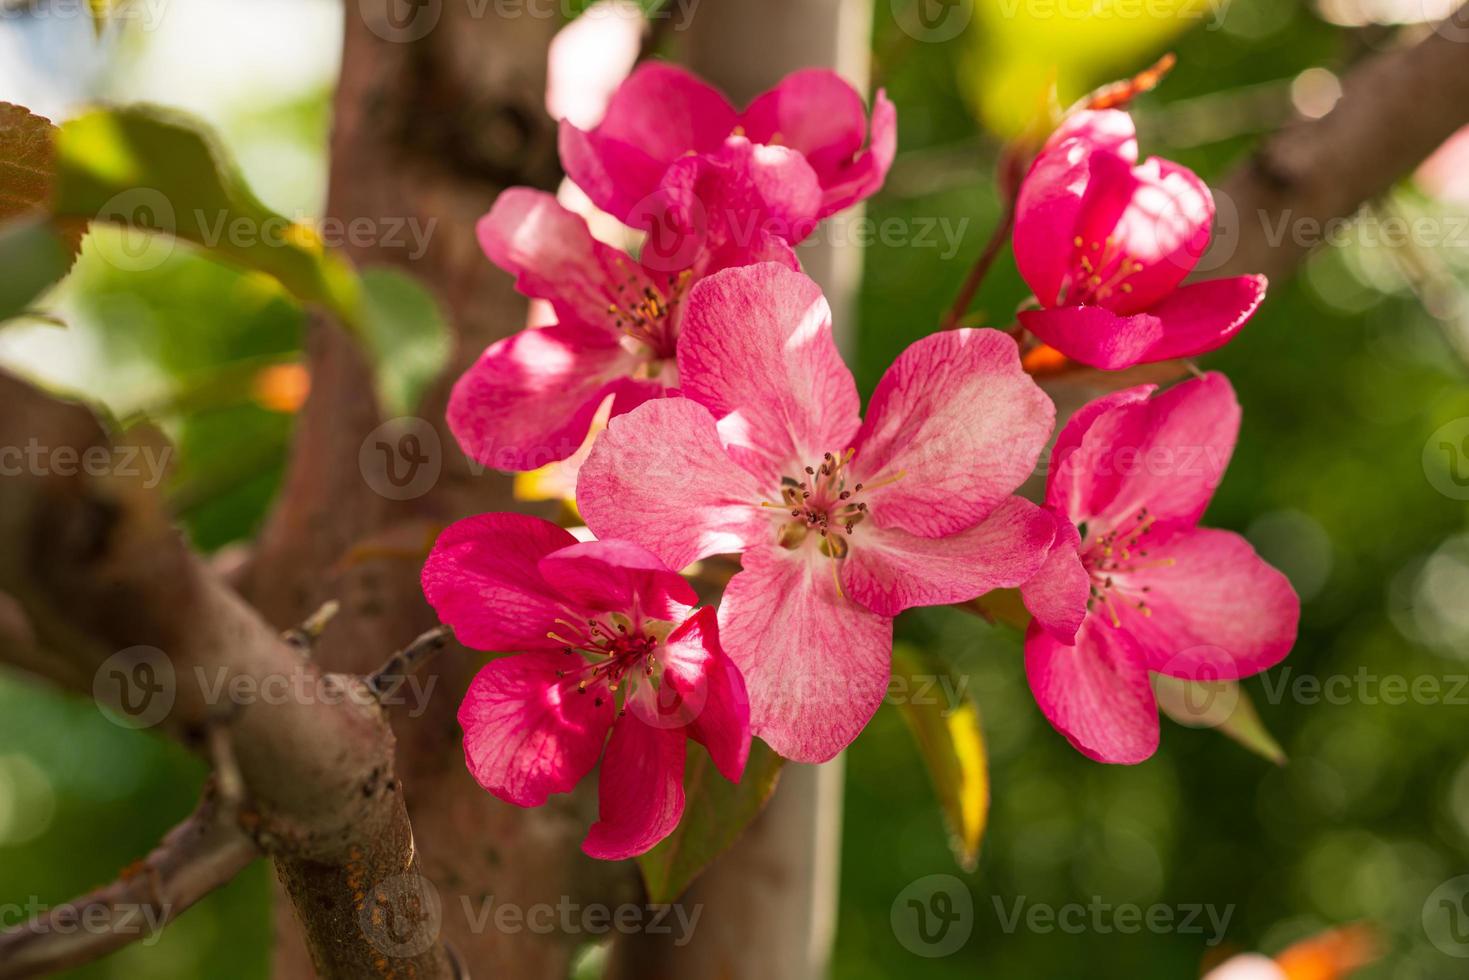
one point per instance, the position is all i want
(982, 266)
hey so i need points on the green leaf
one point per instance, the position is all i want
(407, 335)
(951, 743)
(156, 171)
(34, 257)
(1217, 704)
(717, 811)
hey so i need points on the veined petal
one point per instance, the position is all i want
(1056, 595)
(757, 350)
(530, 399)
(528, 733)
(1095, 336)
(667, 111)
(889, 570)
(618, 576)
(615, 176)
(661, 478)
(1095, 692)
(1217, 611)
(704, 691)
(816, 665)
(482, 578)
(640, 790)
(1165, 228)
(867, 172)
(1072, 486)
(954, 426)
(1204, 316)
(1046, 216)
(738, 196)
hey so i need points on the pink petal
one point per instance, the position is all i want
(738, 196)
(640, 790)
(956, 424)
(528, 733)
(1096, 336)
(1070, 486)
(1218, 611)
(530, 399)
(891, 570)
(1167, 455)
(658, 476)
(590, 57)
(615, 176)
(1205, 316)
(816, 664)
(482, 579)
(618, 576)
(866, 174)
(1105, 129)
(1046, 216)
(1096, 692)
(757, 350)
(553, 256)
(1056, 596)
(704, 691)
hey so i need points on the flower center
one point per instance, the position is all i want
(1101, 271)
(609, 655)
(824, 502)
(1110, 557)
(648, 316)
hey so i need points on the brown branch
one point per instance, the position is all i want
(1397, 108)
(387, 679)
(201, 854)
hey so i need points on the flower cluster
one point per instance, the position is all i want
(737, 430)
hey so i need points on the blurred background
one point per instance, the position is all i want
(1351, 377)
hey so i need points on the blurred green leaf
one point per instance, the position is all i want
(952, 746)
(157, 171)
(34, 258)
(407, 335)
(1217, 704)
(717, 811)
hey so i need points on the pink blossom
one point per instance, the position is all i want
(1105, 242)
(529, 399)
(607, 641)
(1133, 586)
(664, 123)
(590, 57)
(842, 523)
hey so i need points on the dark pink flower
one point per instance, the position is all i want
(608, 641)
(663, 119)
(1106, 242)
(1133, 586)
(530, 398)
(842, 523)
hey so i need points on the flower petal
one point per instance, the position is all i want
(1096, 692)
(590, 58)
(528, 733)
(757, 350)
(704, 691)
(482, 579)
(1204, 316)
(816, 665)
(1217, 610)
(618, 576)
(553, 256)
(1105, 129)
(737, 197)
(640, 790)
(1056, 596)
(956, 425)
(658, 476)
(530, 399)
(1165, 227)
(891, 570)
(615, 176)
(1095, 336)
(865, 175)
(1073, 488)
(1046, 215)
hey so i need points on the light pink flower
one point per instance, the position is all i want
(590, 57)
(842, 523)
(663, 120)
(1133, 585)
(609, 641)
(529, 400)
(1105, 243)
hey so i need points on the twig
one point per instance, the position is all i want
(992, 250)
(303, 637)
(387, 679)
(198, 856)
